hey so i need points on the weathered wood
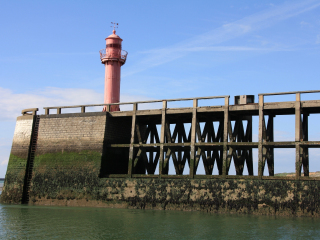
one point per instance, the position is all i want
(133, 131)
(260, 137)
(149, 112)
(249, 159)
(166, 162)
(279, 105)
(148, 147)
(225, 137)
(138, 156)
(193, 138)
(270, 150)
(305, 149)
(162, 136)
(298, 135)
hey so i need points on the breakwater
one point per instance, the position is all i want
(109, 159)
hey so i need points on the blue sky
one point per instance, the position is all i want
(49, 55)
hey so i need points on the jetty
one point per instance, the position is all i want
(122, 158)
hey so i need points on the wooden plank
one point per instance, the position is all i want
(121, 114)
(225, 137)
(244, 107)
(149, 112)
(270, 150)
(162, 135)
(133, 130)
(278, 105)
(260, 136)
(210, 109)
(138, 132)
(298, 136)
(305, 150)
(193, 138)
(310, 104)
(138, 156)
(166, 160)
(178, 110)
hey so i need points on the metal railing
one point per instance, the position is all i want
(113, 53)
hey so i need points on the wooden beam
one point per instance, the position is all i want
(193, 138)
(133, 131)
(225, 136)
(305, 149)
(270, 151)
(162, 136)
(298, 135)
(260, 137)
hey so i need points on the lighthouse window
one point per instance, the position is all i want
(114, 45)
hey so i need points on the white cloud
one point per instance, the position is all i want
(222, 34)
(11, 104)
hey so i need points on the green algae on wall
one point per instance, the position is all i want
(55, 172)
(14, 181)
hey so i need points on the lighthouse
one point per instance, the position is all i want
(113, 57)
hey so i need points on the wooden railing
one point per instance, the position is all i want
(231, 139)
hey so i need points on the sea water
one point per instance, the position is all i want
(41, 222)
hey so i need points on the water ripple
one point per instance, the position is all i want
(31, 222)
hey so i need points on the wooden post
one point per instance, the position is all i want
(83, 109)
(46, 111)
(58, 110)
(249, 159)
(193, 137)
(133, 131)
(162, 134)
(260, 146)
(225, 136)
(270, 151)
(298, 135)
(305, 149)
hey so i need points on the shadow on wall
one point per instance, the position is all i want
(114, 158)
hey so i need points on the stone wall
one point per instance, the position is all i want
(71, 143)
(16, 171)
(66, 133)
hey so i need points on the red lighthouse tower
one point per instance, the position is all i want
(113, 57)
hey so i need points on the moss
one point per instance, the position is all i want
(67, 159)
(14, 181)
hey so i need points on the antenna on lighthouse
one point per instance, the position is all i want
(114, 25)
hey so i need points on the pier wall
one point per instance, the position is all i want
(17, 165)
(269, 197)
(68, 145)
(122, 159)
